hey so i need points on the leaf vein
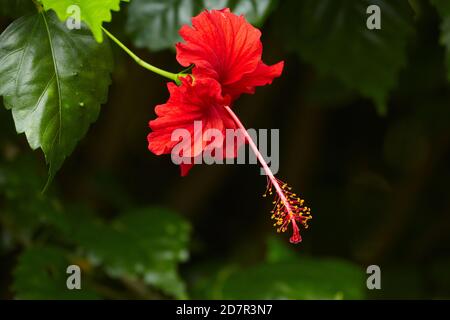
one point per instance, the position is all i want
(58, 85)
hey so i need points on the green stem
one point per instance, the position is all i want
(142, 63)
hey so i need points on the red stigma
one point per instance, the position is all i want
(288, 209)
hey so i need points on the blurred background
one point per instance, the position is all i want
(364, 119)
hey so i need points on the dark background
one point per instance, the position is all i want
(377, 184)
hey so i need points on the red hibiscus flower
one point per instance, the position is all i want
(227, 48)
(200, 100)
(226, 51)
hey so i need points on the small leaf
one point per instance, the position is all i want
(41, 274)
(54, 81)
(93, 12)
(154, 24)
(333, 36)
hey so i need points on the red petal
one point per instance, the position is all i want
(192, 101)
(262, 76)
(225, 47)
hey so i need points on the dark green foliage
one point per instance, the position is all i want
(145, 244)
(141, 245)
(40, 274)
(287, 275)
(332, 35)
(54, 81)
(284, 275)
(154, 24)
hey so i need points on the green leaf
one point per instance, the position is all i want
(41, 274)
(144, 244)
(443, 8)
(287, 275)
(16, 8)
(54, 81)
(154, 24)
(332, 35)
(93, 12)
(305, 279)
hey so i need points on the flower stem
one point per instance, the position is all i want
(142, 63)
(261, 160)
